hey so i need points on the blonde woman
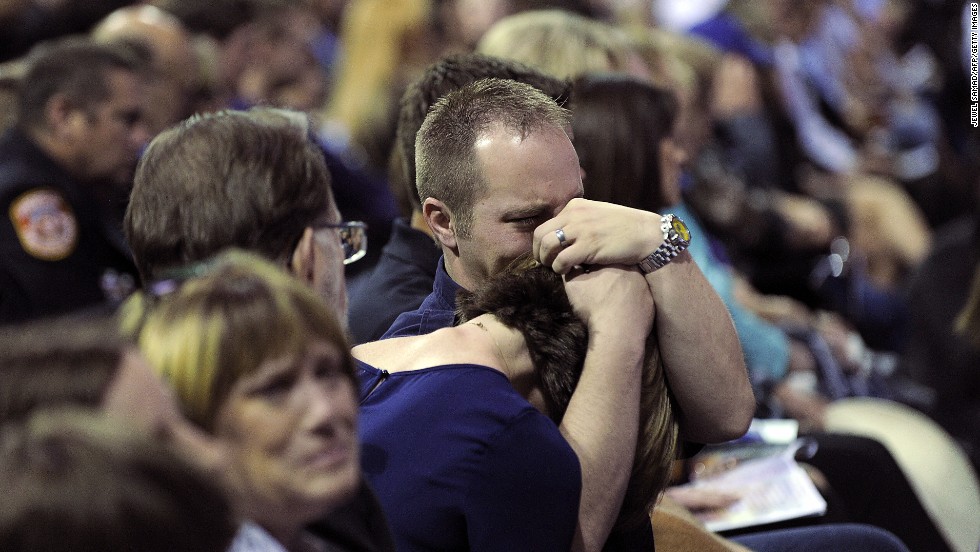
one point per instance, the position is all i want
(257, 360)
(562, 44)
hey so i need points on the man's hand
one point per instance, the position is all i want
(702, 500)
(810, 409)
(597, 233)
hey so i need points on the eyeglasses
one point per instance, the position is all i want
(353, 238)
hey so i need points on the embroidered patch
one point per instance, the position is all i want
(45, 224)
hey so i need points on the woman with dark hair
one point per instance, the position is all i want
(623, 132)
(472, 425)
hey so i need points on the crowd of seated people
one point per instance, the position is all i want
(377, 275)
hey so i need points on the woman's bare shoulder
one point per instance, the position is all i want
(445, 346)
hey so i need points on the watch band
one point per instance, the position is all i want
(676, 239)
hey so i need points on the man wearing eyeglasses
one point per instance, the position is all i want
(253, 180)
(249, 179)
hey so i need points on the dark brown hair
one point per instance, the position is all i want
(76, 67)
(531, 298)
(81, 482)
(619, 124)
(249, 179)
(71, 360)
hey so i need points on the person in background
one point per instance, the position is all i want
(563, 44)
(248, 179)
(260, 363)
(624, 131)
(82, 361)
(75, 481)
(89, 431)
(176, 83)
(79, 132)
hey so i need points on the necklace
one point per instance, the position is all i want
(500, 354)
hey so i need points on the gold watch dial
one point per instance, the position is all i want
(681, 229)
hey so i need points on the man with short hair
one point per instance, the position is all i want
(253, 180)
(78, 135)
(498, 177)
(403, 276)
(249, 179)
(523, 192)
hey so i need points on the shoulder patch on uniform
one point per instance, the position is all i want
(45, 224)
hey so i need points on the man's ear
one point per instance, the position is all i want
(303, 260)
(440, 221)
(63, 117)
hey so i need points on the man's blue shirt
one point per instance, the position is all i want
(436, 311)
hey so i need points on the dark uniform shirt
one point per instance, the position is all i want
(438, 310)
(398, 283)
(58, 252)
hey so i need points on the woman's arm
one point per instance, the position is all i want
(602, 419)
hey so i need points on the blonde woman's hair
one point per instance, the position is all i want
(384, 45)
(219, 327)
(681, 62)
(559, 43)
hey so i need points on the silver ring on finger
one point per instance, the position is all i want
(562, 240)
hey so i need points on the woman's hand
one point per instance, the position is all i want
(611, 297)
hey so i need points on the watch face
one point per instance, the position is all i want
(681, 229)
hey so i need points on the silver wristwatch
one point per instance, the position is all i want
(676, 239)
